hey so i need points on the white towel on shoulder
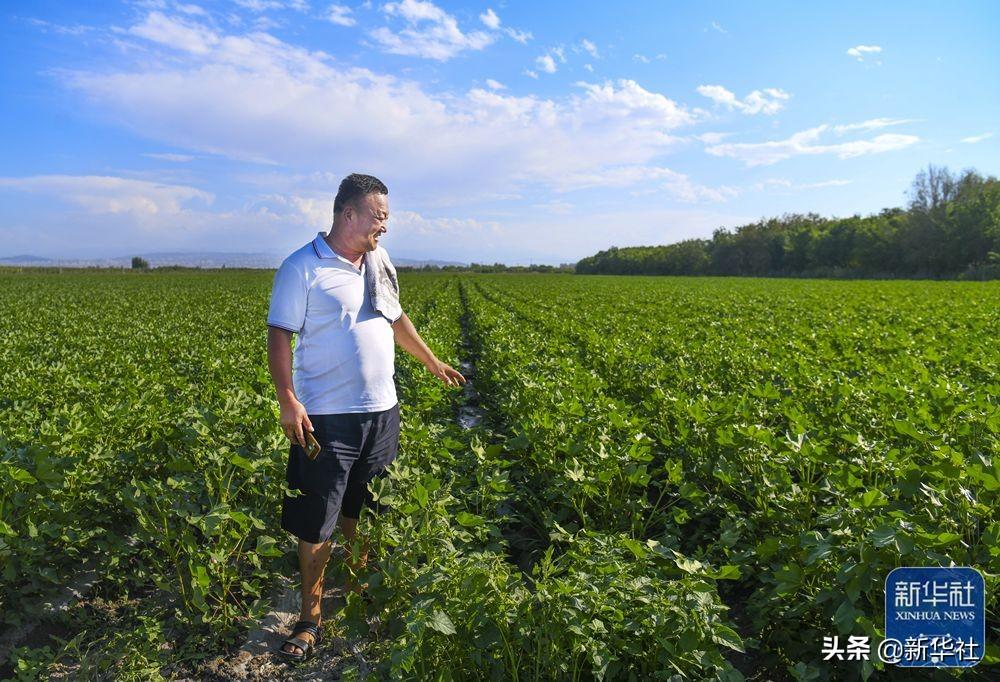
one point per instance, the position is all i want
(383, 285)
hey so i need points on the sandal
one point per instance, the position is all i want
(308, 648)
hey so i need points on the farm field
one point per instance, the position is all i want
(689, 477)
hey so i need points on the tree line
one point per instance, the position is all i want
(950, 228)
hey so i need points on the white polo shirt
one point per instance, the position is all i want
(344, 358)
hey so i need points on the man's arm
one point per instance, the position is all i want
(409, 340)
(279, 361)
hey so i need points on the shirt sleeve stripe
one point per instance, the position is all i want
(287, 328)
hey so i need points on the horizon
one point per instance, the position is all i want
(405, 260)
(504, 132)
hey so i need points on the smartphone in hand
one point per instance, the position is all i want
(312, 445)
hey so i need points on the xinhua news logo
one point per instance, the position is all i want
(934, 617)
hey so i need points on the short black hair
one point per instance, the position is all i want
(357, 185)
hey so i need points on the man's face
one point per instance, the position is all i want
(367, 219)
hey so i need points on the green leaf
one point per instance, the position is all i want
(883, 536)
(421, 495)
(873, 498)
(268, 546)
(845, 617)
(908, 429)
(727, 572)
(689, 565)
(945, 539)
(725, 635)
(200, 576)
(241, 462)
(469, 520)
(19, 474)
(440, 621)
(804, 672)
(636, 547)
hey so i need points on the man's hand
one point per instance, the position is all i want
(293, 420)
(444, 372)
(407, 337)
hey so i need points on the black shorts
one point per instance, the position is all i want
(356, 448)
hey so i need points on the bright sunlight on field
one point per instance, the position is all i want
(671, 474)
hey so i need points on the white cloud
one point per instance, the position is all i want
(657, 178)
(768, 101)
(629, 97)
(590, 48)
(176, 33)
(340, 15)
(788, 184)
(492, 22)
(712, 138)
(411, 222)
(546, 63)
(167, 156)
(490, 19)
(556, 207)
(206, 100)
(641, 58)
(806, 143)
(826, 183)
(977, 138)
(103, 216)
(715, 25)
(193, 10)
(495, 85)
(266, 5)
(47, 26)
(589, 67)
(313, 210)
(873, 124)
(111, 195)
(549, 62)
(771, 182)
(520, 36)
(430, 32)
(859, 51)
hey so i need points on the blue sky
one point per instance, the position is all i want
(511, 131)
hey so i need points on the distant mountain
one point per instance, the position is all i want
(417, 263)
(24, 260)
(208, 259)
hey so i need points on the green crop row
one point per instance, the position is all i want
(681, 478)
(819, 434)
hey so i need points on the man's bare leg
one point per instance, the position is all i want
(312, 562)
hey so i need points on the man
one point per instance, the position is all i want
(342, 391)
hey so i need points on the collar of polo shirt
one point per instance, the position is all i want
(323, 250)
